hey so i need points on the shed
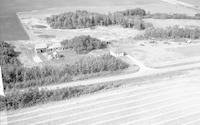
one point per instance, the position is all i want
(55, 46)
(117, 52)
(41, 48)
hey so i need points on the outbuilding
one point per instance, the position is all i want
(41, 48)
(117, 52)
(55, 47)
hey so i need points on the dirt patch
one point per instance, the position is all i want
(46, 36)
(39, 26)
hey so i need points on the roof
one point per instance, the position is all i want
(55, 45)
(40, 46)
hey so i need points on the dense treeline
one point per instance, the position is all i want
(83, 19)
(174, 32)
(20, 77)
(7, 55)
(20, 99)
(84, 44)
(172, 16)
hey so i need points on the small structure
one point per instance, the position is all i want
(189, 41)
(55, 47)
(116, 52)
(41, 48)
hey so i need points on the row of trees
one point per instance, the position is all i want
(83, 19)
(20, 77)
(172, 16)
(20, 99)
(174, 32)
(84, 44)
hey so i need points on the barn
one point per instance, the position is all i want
(41, 48)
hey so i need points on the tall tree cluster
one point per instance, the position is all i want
(84, 19)
(84, 44)
(172, 16)
(174, 32)
(21, 77)
(7, 54)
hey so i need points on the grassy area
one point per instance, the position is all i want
(192, 51)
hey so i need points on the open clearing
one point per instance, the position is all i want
(161, 53)
(174, 101)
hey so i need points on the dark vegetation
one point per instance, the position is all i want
(84, 19)
(172, 16)
(20, 77)
(7, 55)
(84, 44)
(18, 99)
(174, 32)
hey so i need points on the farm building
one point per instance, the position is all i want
(41, 48)
(117, 52)
(55, 47)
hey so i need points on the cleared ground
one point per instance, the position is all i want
(161, 53)
(170, 102)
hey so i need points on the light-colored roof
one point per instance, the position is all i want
(40, 46)
(55, 45)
